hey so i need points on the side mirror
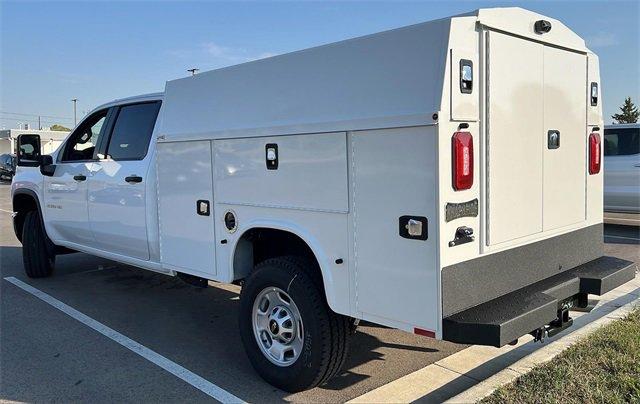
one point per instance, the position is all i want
(47, 167)
(29, 154)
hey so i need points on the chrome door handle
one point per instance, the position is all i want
(79, 177)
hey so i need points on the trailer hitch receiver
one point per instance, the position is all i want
(556, 326)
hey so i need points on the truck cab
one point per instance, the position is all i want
(97, 197)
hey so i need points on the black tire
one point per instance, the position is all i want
(37, 258)
(326, 334)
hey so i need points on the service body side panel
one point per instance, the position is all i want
(306, 195)
(187, 242)
(394, 174)
(311, 172)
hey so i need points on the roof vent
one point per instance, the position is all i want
(542, 26)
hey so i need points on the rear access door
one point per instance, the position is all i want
(536, 138)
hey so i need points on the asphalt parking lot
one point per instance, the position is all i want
(47, 355)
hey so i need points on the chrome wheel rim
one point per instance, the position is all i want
(277, 326)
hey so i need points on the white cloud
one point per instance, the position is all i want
(232, 55)
(602, 40)
(216, 55)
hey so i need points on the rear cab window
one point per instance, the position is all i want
(132, 131)
(622, 141)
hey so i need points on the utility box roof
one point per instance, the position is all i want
(389, 79)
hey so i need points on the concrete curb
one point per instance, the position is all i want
(541, 356)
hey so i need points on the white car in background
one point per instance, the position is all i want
(622, 174)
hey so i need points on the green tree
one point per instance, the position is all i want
(60, 128)
(629, 113)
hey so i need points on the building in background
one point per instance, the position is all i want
(50, 139)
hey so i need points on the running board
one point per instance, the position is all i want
(193, 280)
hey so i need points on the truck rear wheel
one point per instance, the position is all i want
(291, 336)
(38, 260)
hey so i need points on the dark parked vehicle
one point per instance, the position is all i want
(7, 166)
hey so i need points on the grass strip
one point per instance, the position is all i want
(602, 368)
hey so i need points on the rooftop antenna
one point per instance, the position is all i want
(193, 71)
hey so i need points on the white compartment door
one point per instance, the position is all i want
(393, 176)
(565, 111)
(515, 137)
(187, 240)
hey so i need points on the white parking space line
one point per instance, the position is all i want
(6, 211)
(180, 372)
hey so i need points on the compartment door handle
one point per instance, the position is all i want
(133, 179)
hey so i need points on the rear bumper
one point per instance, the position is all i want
(506, 318)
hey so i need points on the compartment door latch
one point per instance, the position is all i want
(463, 235)
(413, 227)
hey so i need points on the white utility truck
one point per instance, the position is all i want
(443, 178)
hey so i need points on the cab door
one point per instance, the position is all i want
(65, 193)
(118, 183)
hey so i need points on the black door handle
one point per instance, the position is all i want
(133, 179)
(553, 139)
(79, 177)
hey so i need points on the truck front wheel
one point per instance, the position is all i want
(291, 336)
(38, 260)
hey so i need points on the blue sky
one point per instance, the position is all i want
(52, 52)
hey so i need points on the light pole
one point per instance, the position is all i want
(75, 119)
(193, 71)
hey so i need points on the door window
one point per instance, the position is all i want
(82, 143)
(621, 142)
(132, 131)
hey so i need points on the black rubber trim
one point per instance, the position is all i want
(25, 191)
(476, 281)
(504, 319)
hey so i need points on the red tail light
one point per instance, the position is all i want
(462, 149)
(595, 153)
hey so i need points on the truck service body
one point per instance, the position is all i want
(442, 178)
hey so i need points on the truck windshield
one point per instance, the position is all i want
(621, 142)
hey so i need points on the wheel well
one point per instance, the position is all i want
(259, 244)
(22, 203)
